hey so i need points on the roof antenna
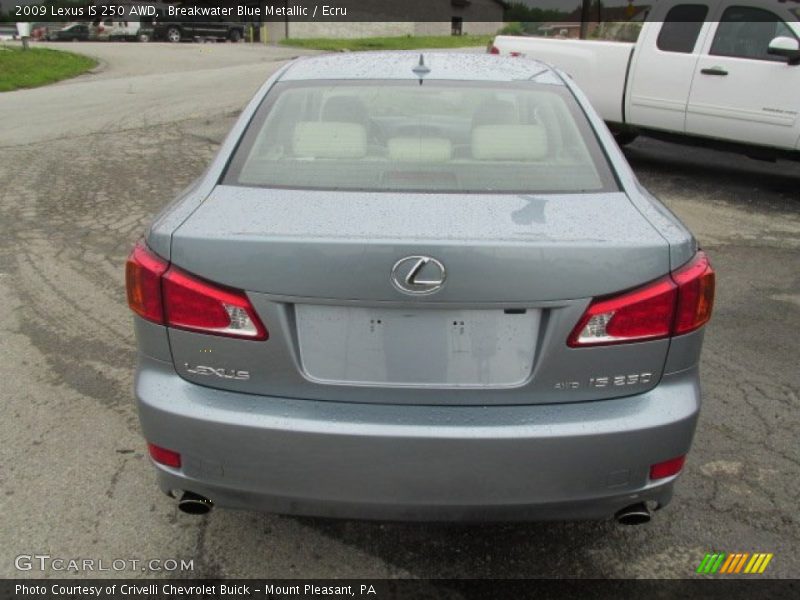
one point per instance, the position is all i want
(421, 69)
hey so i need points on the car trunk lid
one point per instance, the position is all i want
(520, 270)
(496, 248)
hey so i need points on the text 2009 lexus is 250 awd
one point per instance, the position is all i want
(419, 287)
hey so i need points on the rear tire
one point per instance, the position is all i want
(174, 35)
(235, 35)
(623, 138)
(144, 37)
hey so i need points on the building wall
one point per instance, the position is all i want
(468, 28)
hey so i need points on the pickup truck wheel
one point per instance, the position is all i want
(144, 37)
(174, 35)
(235, 35)
(623, 138)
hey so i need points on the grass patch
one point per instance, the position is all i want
(38, 66)
(406, 42)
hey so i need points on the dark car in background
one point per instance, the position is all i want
(176, 31)
(71, 33)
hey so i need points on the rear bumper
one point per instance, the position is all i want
(335, 459)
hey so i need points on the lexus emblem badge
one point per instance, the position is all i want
(418, 275)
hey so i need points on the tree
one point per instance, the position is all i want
(586, 8)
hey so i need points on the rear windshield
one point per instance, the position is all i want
(438, 136)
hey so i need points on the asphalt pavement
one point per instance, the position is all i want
(85, 164)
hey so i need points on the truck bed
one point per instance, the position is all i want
(599, 67)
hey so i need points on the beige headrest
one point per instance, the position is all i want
(420, 149)
(329, 139)
(509, 142)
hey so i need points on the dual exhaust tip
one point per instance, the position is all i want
(635, 514)
(195, 504)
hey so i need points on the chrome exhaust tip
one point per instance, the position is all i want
(635, 514)
(194, 504)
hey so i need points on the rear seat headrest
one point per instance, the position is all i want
(345, 109)
(495, 112)
(420, 149)
(329, 139)
(509, 142)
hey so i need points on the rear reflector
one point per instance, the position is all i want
(143, 273)
(169, 296)
(673, 305)
(668, 468)
(196, 305)
(163, 456)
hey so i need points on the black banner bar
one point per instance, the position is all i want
(716, 588)
(266, 11)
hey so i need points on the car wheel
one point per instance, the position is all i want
(623, 138)
(144, 37)
(174, 35)
(235, 35)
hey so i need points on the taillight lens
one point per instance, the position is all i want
(143, 273)
(696, 284)
(196, 305)
(673, 305)
(643, 314)
(494, 49)
(167, 295)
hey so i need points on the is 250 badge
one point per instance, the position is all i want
(607, 381)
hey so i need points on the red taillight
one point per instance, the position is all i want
(668, 468)
(143, 273)
(196, 305)
(169, 296)
(673, 305)
(643, 314)
(695, 294)
(494, 49)
(163, 456)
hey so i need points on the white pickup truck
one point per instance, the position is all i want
(724, 73)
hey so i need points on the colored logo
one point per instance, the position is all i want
(734, 563)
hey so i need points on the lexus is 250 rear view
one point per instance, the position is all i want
(419, 287)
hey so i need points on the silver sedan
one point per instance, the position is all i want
(419, 287)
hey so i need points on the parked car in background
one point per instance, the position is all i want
(73, 32)
(145, 33)
(419, 287)
(716, 72)
(127, 31)
(8, 32)
(39, 31)
(176, 31)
